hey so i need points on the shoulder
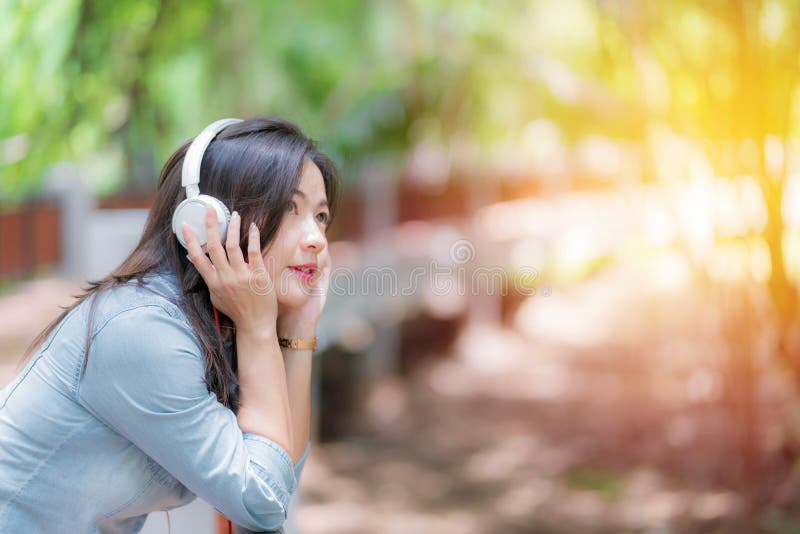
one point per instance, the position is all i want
(152, 302)
(141, 326)
(142, 360)
(144, 345)
(144, 319)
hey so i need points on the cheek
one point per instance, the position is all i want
(286, 283)
(290, 295)
(272, 265)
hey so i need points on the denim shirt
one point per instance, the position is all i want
(139, 432)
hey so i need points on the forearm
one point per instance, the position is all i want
(263, 393)
(297, 363)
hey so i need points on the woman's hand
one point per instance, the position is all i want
(301, 322)
(242, 291)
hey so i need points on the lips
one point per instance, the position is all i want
(305, 271)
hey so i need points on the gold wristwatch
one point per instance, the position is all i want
(296, 343)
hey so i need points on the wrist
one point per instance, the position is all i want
(289, 329)
(261, 332)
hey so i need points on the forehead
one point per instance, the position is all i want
(311, 182)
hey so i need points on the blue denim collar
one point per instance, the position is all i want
(165, 282)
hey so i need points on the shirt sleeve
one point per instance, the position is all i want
(298, 468)
(145, 379)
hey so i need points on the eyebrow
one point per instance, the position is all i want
(323, 202)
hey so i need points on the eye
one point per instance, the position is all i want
(290, 206)
(325, 218)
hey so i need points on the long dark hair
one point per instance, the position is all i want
(253, 167)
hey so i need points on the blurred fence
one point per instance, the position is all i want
(32, 234)
(29, 238)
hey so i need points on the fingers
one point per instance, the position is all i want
(232, 247)
(197, 256)
(254, 258)
(325, 262)
(319, 284)
(325, 275)
(214, 244)
(325, 258)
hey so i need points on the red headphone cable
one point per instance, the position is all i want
(216, 320)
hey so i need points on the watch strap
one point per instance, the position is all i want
(297, 343)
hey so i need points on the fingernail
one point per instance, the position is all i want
(252, 226)
(234, 215)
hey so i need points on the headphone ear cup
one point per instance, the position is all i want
(193, 212)
(226, 217)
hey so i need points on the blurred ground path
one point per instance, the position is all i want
(565, 424)
(24, 311)
(573, 419)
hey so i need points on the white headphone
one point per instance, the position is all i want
(193, 209)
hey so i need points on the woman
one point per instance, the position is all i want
(166, 380)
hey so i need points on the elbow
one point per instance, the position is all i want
(267, 487)
(262, 523)
(265, 502)
(265, 514)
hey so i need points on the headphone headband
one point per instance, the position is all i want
(190, 173)
(192, 210)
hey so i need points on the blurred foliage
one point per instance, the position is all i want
(118, 85)
(608, 485)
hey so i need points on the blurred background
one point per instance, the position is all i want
(567, 257)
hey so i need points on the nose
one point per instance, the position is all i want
(313, 239)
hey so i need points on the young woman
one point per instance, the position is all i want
(183, 375)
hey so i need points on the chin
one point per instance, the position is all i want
(294, 298)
